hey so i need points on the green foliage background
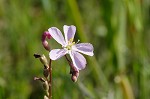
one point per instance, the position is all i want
(118, 29)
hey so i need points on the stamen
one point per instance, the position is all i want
(70, 44)
(71, 40)
(77, 41)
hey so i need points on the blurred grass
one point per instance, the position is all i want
(119, 31)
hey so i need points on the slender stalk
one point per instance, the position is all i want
(67, 59)
(69, 62)
(50, 80)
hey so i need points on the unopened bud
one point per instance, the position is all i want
(74, 78)
(45, 86)
(44, 42)
(75, 73)
(46, 72)
(46, 46)
(43, 60)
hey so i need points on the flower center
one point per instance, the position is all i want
(70, 44)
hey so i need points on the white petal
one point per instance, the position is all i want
(69, 32)
(78, 60)
(57, 35)
(57, 53)
(85, 48)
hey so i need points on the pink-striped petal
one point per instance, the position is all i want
(69, 32)
(57, 53)
(57, 35)
(78, 60)
(85, 48)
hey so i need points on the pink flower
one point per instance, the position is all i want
(70, 47)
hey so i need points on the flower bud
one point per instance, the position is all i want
(43, 60)
(44, 42)
(75, 73)
(46, 46)
(74, 78)
(45, 86)
(46, 71)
